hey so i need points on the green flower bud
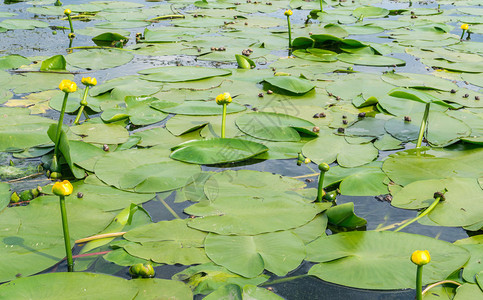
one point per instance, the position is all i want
(140, 270)
(323, 167)
(14, 197)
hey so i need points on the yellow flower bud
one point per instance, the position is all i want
(288, 13)
(89, 81)
(420, 257)
(464, 26)
(224, 98)
(63, 188)
(67, 11)
(67, 86)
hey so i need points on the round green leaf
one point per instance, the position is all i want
(291, 84)
(370, 60)
(97, 59)
(180, 73)
(216, 151)
(381, 260)
(278, 252)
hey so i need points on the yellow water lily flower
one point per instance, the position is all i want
(89, 81)
(224, 98)
(288, 12)
(67, 86)
(420, 257)
(67, 11)
(63, 188)
(464, 26)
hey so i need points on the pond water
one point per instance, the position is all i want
(45, 41)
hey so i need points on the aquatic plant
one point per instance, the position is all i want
(88, 82)
(63, 189)
(438, 197)
(68, 12)
(323, 167)
(142, 270)
(420, 258)
(288, 13)
(464, 28)
(223, 99)
(67, 86)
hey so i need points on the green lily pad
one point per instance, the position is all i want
(273, 126)
(216, 151)
(196, 108)
(112, 166)
(126, 86)
(405, 169)
(159, 177)
(4, 195)
(463, 205)
(178, 244)
(153, 288)
(418, 81)
(370, 12)
(178, 74)
(97, 59)
(69, 285)
(250, 215)
(368, 259)
(343, 215)
(13, 61)
(54, 63)
(291, 84)
(38, 244)
(370, 60)
(468, 291)
(205, 278)
(329, 148)
(278, 252)
(101, 133)
(37, 82)
(21, 132)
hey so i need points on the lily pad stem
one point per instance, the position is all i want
(100, 236)
(65, 227)
(289, 33)
(425, 212)
(323, 167)
(223, 122)
(83, 105)
(419, 283)
(462, 34)
(169, 208)
(70, 24)
(440, 283)
(57, 135)
(424, 122)
(282, 280)
(321, 9)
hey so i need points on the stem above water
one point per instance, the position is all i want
(223, 122)
(424, 122)
(65, 227)
(289, 33)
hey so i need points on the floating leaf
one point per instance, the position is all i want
(54, 63)
(273, 126)
(368, 259)
(278, 252)
(216, 151)
(370, 60)
(177, 74)
(196, 108)
(97, 59)
(291, 84)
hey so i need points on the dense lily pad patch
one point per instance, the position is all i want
(151, 131)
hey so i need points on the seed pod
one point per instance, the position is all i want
(26, 195)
